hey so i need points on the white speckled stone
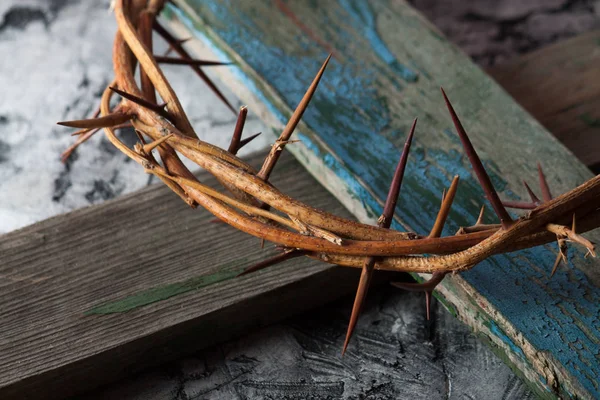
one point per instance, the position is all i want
(56, 60)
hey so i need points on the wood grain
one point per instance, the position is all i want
(560, 86)
(387, 68)
(100, 293)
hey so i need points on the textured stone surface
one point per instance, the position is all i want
(56, 61)
(395, 354)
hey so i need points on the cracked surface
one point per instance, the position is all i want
(396, 354)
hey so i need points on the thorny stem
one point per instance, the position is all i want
(385, 222)
(301, 229)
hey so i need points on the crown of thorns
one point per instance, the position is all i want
(258, 208)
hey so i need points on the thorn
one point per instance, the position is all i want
(147, 148)
(160, 110)
(184, 54)
(274, 154)
(234, 145)
(216, 221)
(482, 176)
(394, 191)
(427, 287)
(440, 220)
(562, 255)
(521, 205)
(573, 225)
(480, 217)
(287, 255)
(556, 264)
(244, 142)
(534, 198)
(183, 61)
(180, 42)
(81, 131)
(102, 122)
(384, 222)
(546, 195)
(262, 243)
(82, 138)
(361, 295)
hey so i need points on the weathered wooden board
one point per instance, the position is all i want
(560, 86)
(91, 296)
(387, 68)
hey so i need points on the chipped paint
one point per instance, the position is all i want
(344, 133)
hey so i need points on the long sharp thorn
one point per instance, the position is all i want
(482, 176)
(183, 61)
(247, 140)
(440, 220)
(272, 261)
(546, 195)
(521, 205)
(234, 145)
(384, 222)
(184, 54)
(102, 122)
(534, 198)
(394, 191)
(144, 103)
(573, 225)
(275, 152)
(361, 295)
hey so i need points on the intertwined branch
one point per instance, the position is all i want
(256, 207)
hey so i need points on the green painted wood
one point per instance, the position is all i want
(388, 65)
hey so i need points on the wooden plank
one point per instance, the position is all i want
(388, 65)
(102, 292)
(560, 86)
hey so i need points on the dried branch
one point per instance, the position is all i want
(299, 229)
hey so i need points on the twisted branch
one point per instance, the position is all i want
(301, 230)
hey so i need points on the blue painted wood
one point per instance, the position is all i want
(387, 68)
